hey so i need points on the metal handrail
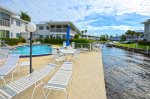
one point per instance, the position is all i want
(4, 23)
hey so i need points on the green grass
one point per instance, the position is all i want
(134, 45)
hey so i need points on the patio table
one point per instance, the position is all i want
(68, 52)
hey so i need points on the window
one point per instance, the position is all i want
(18, 23)
(41, 36)
(11, 34)
(64, 36)
(51, 36)
(17, 34)
(47, 27)
(12, 21)
(41, 27)
(65, 26)
(4, 34)
(59, 26)
(52, 26)
(5, 16)
(47, 36)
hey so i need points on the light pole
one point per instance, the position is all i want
(31, 27)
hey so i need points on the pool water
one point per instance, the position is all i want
(37, 50)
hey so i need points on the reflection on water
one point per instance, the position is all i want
(127, 74)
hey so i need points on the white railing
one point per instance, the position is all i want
(57, 30)
(4, 23)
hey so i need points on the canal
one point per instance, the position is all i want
(127, 74)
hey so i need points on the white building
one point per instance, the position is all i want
(147, 29)
(11, 26)
(54, 29)
(90, 37)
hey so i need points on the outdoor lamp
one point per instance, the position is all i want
(31, 27)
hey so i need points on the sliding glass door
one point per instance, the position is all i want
(4, 34)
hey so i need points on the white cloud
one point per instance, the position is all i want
(75, 10)
(66, 9)
(113, 28)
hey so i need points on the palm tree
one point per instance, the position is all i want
(82, 32)
(25, 16)
(123, 37)
(85, 31)
(132, 34)
(137, 34)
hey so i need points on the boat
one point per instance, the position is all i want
(109, 44)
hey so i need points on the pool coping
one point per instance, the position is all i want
(25, 56)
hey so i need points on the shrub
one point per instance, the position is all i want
(85, 43)
(82, 41)
(22, 40)
(76, 36)
(51, 41)
(11, 41)
(144, 43)
(60, 41)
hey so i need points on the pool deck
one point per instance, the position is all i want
(88, 78)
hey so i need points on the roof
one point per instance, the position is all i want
(8, 11)
(139, 31)
(12, 13)
(146, 21)
(18, 18)
(60, 22)
(90, 35)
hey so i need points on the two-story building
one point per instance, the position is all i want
(90, 37)
(11, 26)
(147, 29)
(55, 29)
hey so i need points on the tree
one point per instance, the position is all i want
(103, 38)
(137, 34)
(85, 31)
(111, 36)
(123, 37)
(25, 16)
(82, 32)
(76, 36)
(130, 33)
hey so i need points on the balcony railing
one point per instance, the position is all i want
(4, 23)
(57, 30)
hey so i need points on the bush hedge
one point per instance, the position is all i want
(144, 43)
(10, 41)
(60, 41)
(21, 40)
(13, 41)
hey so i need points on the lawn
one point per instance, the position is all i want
(134, 45)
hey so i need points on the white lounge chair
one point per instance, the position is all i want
(3, 55)
(10, 65)
(12, 89)
(59, 81)
(67, 66)
(61, 57)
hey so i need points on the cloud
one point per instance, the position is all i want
(95, 15)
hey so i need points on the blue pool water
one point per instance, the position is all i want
(37, 50)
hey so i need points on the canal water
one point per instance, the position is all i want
(127, 74)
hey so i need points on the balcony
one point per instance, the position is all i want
(4, 23)
(57, 30)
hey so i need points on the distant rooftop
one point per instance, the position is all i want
(8, 10)
(139, 31)
(58, 23)
(12, 13)
(146, 21)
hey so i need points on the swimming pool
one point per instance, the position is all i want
(37, 50)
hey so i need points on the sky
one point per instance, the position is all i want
(98, 17)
